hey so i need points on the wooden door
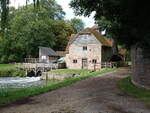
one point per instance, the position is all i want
(84, 63)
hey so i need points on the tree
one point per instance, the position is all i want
(78, 24)
(4, 11)
(128, 17)
(107, 25)
(130, 25)
(62, 31)
(55, 11)
(30, 28)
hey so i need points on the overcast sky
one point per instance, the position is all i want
(89, 21)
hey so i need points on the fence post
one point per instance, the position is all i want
(110, 65)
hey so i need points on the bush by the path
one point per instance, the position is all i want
(128, 88)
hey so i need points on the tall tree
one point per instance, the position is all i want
(130, 25)
(78, 24)
(30, 28)
(62, 31)
(106, 25)
(128, 17)
(4, 10)
(55, 11)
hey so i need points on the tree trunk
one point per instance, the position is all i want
(140, 67)
(115, 47)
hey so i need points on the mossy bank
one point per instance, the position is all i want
(128, 88)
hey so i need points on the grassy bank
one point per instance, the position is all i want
(128, 88)
(9, 94)
(9, 70)
(12, 73)
(73, 71)
(7, 66)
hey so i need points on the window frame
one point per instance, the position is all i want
(84, 48)
(75, 61)
(94, 61)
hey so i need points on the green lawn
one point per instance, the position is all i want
(7, 66)
(9, 70)
(7, 95)
(128, 88)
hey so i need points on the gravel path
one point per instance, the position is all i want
(94, 95)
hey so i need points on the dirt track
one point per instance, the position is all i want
(94, 95)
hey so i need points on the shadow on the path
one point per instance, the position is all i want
(17, 102)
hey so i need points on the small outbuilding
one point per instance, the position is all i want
(47, 55)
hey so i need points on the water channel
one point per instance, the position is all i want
(20, 82)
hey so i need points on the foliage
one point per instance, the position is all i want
(30, 27)
(128, 88)
(7, 95)
(105, 25)
(55, 11)
(130, 23)
(4, 12)
(62, 31)
(78, 24)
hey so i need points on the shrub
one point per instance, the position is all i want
(4, 59)
(12, 58)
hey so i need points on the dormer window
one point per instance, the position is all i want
(84, 48)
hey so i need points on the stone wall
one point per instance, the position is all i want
(140, 68)
(58, 76)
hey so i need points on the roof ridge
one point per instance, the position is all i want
(90, 31)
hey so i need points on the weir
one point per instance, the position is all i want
(36, 69)
(33, 67)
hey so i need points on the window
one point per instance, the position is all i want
(84, 48)
(43, 57)
(94, 61)
(74, 61)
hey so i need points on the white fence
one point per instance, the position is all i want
(107, 65)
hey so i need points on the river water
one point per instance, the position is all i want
(20, 82)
